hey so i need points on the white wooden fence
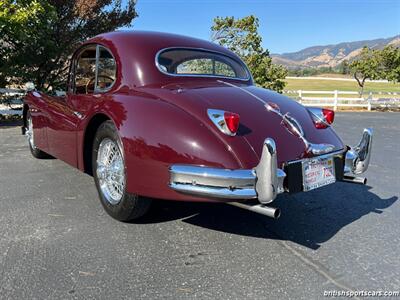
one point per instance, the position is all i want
(13, 103)
(337, 99)
(333, 99)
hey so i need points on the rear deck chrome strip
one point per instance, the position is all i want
(331, 154)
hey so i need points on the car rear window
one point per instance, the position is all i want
(199, 62)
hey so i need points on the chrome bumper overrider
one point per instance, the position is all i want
(263, 182)
(357, 158)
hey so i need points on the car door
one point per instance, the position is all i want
(65, 115)
(61, 129)
(93, 72)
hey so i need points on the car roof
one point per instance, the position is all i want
(158, 39)
(135, 52)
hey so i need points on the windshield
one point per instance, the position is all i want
(198, 62)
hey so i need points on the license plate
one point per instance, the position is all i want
(318, 172)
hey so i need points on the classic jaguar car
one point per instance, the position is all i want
(154, 115)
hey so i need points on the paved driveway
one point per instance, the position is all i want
(57, 242)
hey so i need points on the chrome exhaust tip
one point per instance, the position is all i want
(262, 209)
(358, 180)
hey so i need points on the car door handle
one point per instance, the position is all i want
(78, 114)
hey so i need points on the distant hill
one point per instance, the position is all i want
(330, 55)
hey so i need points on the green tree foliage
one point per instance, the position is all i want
(344, 67)
(22, 24)
(367, 66)
(377, 64)
(37, 37)
(390, 63)
(242, 37)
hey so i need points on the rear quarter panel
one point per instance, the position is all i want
(155, 135)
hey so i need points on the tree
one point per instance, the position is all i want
(390, 62)
(344, 67)
(37, 37)
(377, 64)
(367, 66)
(242, 37)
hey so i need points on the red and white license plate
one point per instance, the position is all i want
(318, 172)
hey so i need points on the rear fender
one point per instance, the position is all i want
(155, 135)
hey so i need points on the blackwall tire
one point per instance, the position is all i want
(109, 175)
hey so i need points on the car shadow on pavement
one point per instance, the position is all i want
(308, 219)
(10, 123)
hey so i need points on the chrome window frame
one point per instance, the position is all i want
(75, 59)
(97, 90)
(239, 61)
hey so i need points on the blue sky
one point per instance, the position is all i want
(286, 25)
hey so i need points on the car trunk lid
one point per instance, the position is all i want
(256, 122)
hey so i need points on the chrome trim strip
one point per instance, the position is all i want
(320, 149)
(96, 69)
(215, 192)
(292, 123)
(335, 153)
(249, 76)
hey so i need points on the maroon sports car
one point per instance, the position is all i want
(153, 115)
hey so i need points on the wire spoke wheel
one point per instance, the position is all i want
(110, 171)
(108, 166)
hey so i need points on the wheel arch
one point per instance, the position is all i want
(88, 139)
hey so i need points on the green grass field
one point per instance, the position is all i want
(331, 85)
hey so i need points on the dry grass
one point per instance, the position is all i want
(331, 85)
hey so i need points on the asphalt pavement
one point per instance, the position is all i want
(56, 242)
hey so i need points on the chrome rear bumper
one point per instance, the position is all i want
(220, 183)
(263, 182)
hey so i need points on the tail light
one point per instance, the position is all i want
(322, 117)
(232, 121)
(227, 122)
(329, 115)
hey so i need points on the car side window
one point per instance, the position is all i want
(85, 71)
(106, 72)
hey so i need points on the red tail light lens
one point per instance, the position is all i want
(232, 121)
(227, 122)
(329, 115)
(322, 117)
